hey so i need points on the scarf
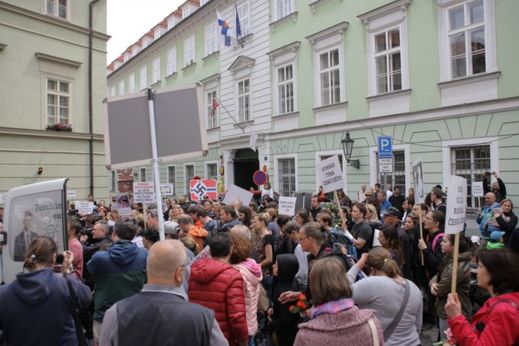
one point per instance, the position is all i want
(333, 307)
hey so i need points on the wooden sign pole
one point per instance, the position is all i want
(144, 210)
(341, 213)
(421, 232)
(455, 262)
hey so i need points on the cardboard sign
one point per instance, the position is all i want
(199, 188)
(166, 189)
(456, 205)
(125, 212)
(330, 173)
(84, 207)
(236, 193)
(143, 192)
(419, 193)
(477, 189)
(287, 206)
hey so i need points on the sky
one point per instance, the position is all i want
(128, 20)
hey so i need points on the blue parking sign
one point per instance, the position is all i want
(385, 146)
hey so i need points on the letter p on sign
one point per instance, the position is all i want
(385, 146)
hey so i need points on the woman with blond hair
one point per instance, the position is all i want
(397, 301)
(371, 214)
(336, 320)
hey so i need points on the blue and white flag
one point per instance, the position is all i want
(224, 29)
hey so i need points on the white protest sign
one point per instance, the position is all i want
(330, 173)
(287, 206)
(456, 205)
(419, 193)
(166, 189)
(84, 207)
(126, 212)
(143, 192)
(71, 194)
(477, 189)
(237, 193)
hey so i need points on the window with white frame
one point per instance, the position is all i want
(211, 171)
(158, 32)
(189, 50)
(131, 83)
(155, 74)
(470, 162)
(397, 178)
(284, 8)
(146, 40)
(121, 87)
(203, 2)
(286, 176)
(171, 177)
(172, 61)
(58, 101)
(244, 15)
(142, 174)
(212, 109)
(329, 77)
(285, 79)
(244, 100)
(171, 22)
(143, 80)
(186, 11)
(211, 43)
(57, 8)
(388, 66)
(111, 91)
(466, 36)
(188, 174)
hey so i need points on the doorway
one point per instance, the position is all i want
(246, 162)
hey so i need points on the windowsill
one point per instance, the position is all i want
(292, 16)
(189, 66)
(243, 124)
(389, 95)
(470, 79)
(286, 115)
(156, 84)
(314, 4)
(332, 106)
(213, 129)
(57, 17)
(211, 55)
(171, 75)
(245, 39)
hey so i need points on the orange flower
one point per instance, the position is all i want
(301, 296)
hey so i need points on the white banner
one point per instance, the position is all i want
(235, 193)
(330, 173)
(166, 189)
(143, 192)
(287, 205)
(84, 207)
(477, 189)
(456, 205)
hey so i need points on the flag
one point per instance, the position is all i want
(214, 106)
(253, 139)
(200, 188)
(238, 26)
(224, 29)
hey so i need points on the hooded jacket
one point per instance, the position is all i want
(118, 273)
(347, 327)
(496, 323)
(198, 234)
(35, 309)
(218, 286)
(251, 273)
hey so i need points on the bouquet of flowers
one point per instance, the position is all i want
(301, 306)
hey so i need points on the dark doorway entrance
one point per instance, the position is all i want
(245, 164)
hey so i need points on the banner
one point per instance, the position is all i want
(477, 189)
(84, 207)
(456, 205)
(330, 173)
(236, 193)
(143, 192)
(287, 205)
(198, 188)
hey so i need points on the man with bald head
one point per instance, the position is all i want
(486, 216)
(162, 306)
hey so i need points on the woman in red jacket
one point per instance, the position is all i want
(497, 322)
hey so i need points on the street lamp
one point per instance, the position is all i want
(347, 147)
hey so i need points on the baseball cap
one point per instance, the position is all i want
(392, 211)
(496, 235)
(171, 227)
(475, 239)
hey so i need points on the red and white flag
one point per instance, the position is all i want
(214, 107)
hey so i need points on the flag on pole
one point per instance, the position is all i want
(214, 107)
(224, 29)
(253, 139)
(238, 25)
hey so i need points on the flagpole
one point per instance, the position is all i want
(229, 113)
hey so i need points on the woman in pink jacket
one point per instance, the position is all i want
(250, 272)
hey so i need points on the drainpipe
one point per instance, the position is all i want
(90, 105)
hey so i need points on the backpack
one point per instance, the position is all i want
(339, 238)
(436, 240)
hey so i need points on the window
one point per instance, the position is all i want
(171, 22)
(58, 102)
(121, 87)
(286, 176)
(210, 39)
(189, 174)
(131, 83)
(155, 76)
(189, 51)
(329, 74)
(171, 177)
(203, 2)
(142, 174)
(284, 8)
(244, 14)
(57, 8)
(186, 11)
(470, 163)
(286, 89)
(172, 61)
(158, 31)
(212, 111)
(388, 61)
(211, 171)
(397, 178)
(244, 100)
(146, 40)
(111, 91)
(144, 82)
(113, 181)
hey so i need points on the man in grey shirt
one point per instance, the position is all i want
(162, 306)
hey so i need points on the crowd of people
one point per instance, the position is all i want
(363, 272)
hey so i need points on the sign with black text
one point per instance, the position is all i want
(330, 173)
(456, 205)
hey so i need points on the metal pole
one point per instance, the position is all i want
(90, 96)
(155, 164)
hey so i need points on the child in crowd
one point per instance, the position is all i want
(496, 240)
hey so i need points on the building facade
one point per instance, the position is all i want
(438, 76)
(45, 130)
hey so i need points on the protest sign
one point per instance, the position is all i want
(477, 189)
(235, 193)
(71, 194)
(456, 205)
(419, 194)
(143, 192)
(330, 173)
(287, 206)
(199, 188)
(125, 212)
(84, 207)
(166, 189)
